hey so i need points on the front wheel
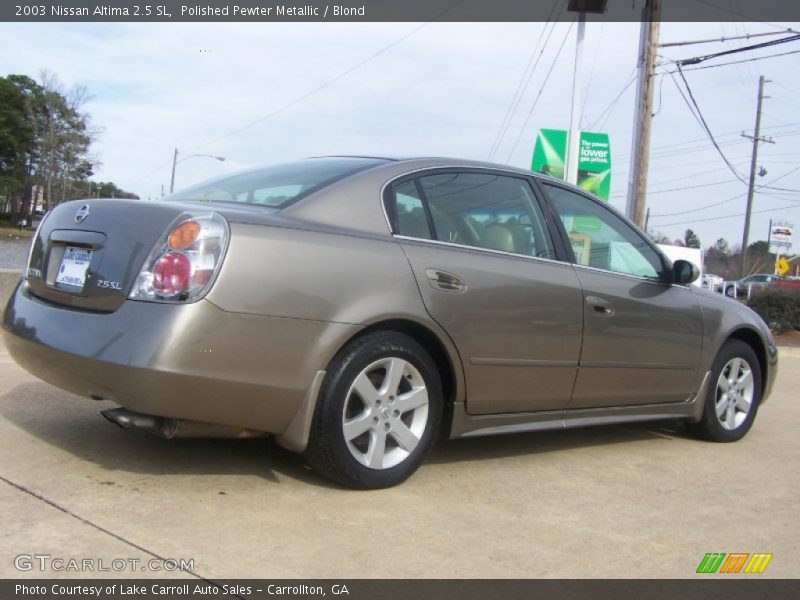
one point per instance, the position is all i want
(729, 292)
(733, 395)
(378, 412)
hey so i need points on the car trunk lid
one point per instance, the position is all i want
(88, 253)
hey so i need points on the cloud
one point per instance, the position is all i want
(441, 91)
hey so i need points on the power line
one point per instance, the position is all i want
(737, 13)
(769, 187)
(524, 81)
(700, 119)
(608, 109)
(328, 82)
(541, 89)
(724, 39)
(698, 59)
(722, 135)
(307, 94)
(313, 91)
(687, 187)
(698, 209)
(738, 62)
(694, 210)
(755, 212)
(594, 65)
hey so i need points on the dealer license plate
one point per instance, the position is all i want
(74, 266)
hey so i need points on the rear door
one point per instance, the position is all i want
(642, 336)
(486, 265)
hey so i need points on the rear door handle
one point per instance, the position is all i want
(442, 280)
(602, 308)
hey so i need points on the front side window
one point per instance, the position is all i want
(486, 211)
(601, 239)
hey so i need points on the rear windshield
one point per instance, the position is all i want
(276, 186)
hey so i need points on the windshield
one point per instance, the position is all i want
(277, 186)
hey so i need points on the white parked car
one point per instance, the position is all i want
(711, 282)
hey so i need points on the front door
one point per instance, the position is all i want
(642, 336)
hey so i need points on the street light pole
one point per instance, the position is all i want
(175, 162)
(573, 138)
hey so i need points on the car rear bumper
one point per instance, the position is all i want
(192, 361)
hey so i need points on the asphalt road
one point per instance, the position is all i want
(13, 251)
(634, 501)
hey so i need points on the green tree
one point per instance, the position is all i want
(45, 139)
(17, 138)
(108, 189)
(690, 239)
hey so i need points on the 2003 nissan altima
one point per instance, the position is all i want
(357, 307)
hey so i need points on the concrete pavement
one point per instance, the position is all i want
(633, 501)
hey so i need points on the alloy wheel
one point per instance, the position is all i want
(735, 393)
(385, 413)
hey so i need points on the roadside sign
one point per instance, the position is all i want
(780, 234)
(594, 159)
(782, 266)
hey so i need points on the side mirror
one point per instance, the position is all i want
(684, 272)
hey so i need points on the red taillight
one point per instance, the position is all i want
(183, 263)
(171, 274)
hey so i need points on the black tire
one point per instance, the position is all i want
(729, 291)
(328, 452)
(710, 426)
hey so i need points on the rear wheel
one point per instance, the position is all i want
(733, 395)
(378, 412)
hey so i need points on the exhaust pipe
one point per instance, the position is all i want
(168, 428)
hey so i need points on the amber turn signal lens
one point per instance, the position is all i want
(183, 235)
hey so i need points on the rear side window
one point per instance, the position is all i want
(486, 211)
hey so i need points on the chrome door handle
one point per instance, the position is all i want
(602, 308)
(442, 280)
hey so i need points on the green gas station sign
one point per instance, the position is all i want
(594, 159)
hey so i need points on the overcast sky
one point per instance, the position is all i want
(439, 89)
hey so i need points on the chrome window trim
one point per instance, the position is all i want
(687, 287)
(479, 249)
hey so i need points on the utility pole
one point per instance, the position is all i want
(753, 164)
(640, 148)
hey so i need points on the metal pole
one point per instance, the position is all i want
(751, 187)
(172, 180)
(640, 147)
(769, 245)
(573, 139)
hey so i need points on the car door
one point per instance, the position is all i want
(642, 335)
(486, 265)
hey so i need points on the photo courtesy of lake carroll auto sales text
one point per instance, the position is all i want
(431, 299)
